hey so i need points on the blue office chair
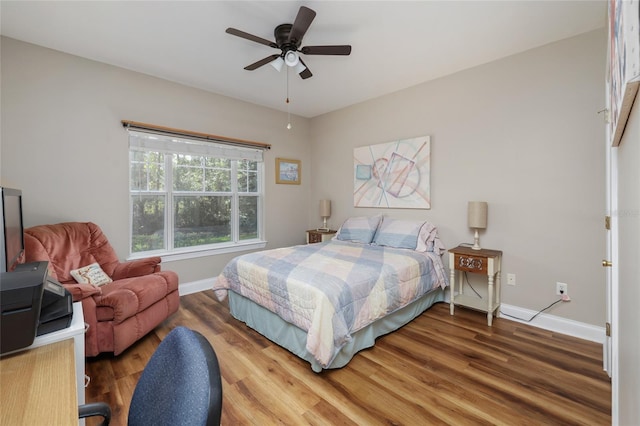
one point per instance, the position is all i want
(180, 385)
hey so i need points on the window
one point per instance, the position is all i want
(188, 195)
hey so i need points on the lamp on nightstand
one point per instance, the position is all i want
(477, 219)
(325, 212)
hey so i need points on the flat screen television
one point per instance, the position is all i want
(11, 229)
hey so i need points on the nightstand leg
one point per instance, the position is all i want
(490, 297)
(498, 286)
(452, 287)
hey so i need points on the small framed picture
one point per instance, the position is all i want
(288, 171)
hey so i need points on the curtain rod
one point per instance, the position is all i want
(135, 125)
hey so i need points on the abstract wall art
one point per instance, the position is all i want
(393, 174)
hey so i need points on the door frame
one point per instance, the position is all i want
(610, 348)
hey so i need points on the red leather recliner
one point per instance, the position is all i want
(119, 313)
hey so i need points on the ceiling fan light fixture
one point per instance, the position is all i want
(288, 39)
(277, 63)
(291, 58)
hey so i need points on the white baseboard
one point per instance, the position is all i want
(552, 323)
(555, 323)
(196, 286)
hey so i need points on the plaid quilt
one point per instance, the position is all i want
(333, 289)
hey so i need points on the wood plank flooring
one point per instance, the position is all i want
(438, 369)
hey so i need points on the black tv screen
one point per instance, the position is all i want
(11, 231)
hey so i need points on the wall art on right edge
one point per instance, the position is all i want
(393, 174)
(624, 64)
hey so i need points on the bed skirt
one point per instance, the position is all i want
(294, 339)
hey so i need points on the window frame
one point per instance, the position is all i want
(170, 252)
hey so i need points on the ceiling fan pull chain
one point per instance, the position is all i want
(288, 111)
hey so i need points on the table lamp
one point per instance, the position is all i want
(325, 212)
(477, 219)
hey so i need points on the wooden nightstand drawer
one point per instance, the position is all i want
(315, 236)
(471, 263)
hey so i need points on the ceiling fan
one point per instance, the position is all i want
(288, 40)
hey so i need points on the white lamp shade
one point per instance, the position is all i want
(477, 214)
(277, 63)
(325, 208)
(291, 58)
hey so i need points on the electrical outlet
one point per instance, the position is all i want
(562, 289)
(511, 279)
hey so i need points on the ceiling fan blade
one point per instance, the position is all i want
(327, 50)
(301, 25)
(306, 73)
(261, 62)
(251, 37)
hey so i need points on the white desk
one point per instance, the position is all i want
(38, 386)
(76, 332)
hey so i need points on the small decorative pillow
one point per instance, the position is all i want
(398, 233)
(359, 229)
(91, 274)
(428, 239)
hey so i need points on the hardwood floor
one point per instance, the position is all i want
(439, 369)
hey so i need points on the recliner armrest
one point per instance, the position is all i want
(137, 268)
(82, 291)
(122, 299)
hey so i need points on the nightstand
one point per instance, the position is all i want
(316, 236)
(483, 261)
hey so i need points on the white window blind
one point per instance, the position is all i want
(165, 143)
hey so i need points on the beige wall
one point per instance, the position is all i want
(63, 144)
(521, 133)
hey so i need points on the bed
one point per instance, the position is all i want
(325, 302)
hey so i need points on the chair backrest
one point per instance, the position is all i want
(68, 246)
(180, 385)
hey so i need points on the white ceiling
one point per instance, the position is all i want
(396, 44)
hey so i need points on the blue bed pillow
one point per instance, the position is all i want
(359, 229)
(398, 233)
